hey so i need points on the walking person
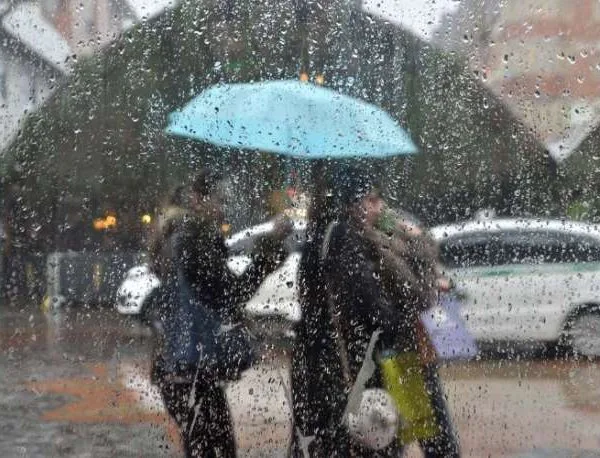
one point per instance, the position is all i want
(346, 276)
(198, 300)
(410, 257)
(375, 287)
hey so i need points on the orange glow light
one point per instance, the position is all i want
(105, 223)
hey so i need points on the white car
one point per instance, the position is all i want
(274, 309)
(275, 300)
(527, 279)
(519, 280)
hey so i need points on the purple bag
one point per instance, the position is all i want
(447, 329)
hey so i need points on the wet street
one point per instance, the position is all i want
(76, 384)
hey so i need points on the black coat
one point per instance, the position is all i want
(198, 290)
(195, 247)
(348, 279)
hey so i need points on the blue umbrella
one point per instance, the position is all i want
(291, 118)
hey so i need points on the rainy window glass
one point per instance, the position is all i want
(298, 228)
(518, 248)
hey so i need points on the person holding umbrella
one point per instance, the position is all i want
(374, 286)
(338, 286)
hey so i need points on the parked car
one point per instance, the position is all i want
(274, 309)
(525, 280)
(275, 304)
(529, 280)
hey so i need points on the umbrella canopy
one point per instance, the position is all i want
(291, 118)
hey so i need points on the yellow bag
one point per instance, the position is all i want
(404, 379)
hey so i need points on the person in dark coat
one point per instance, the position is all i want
(410, 256)
(375, 283)
(190, 257)
(348, 276)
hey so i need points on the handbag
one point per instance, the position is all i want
(370, 415)
(403, 376)
(448, 331)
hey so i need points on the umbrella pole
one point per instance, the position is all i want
(319, 217)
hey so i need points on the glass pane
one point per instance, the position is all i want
(298, 228)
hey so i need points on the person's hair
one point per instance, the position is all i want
(205, 182)
(178, 196)
(354, 183)
(177, 200)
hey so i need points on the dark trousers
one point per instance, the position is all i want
(445, 444)
(203, 417)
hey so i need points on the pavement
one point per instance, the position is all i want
(75, 384)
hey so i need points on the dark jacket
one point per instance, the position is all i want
(197, 246)
(198, 290)
(407, 266)
(355, 287)
(368, 286)
(350, 286)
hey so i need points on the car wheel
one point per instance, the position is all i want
(583, 335)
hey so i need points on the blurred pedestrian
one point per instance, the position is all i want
(199, 296)
(369, 283)
(343, 306)
(411, 275)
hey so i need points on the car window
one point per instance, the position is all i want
(564, 247)
(468, 250)
(518, 247)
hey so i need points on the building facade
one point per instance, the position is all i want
(40, 41)
(542, 57)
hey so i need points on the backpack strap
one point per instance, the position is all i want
(327, 240)
(355, 387)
